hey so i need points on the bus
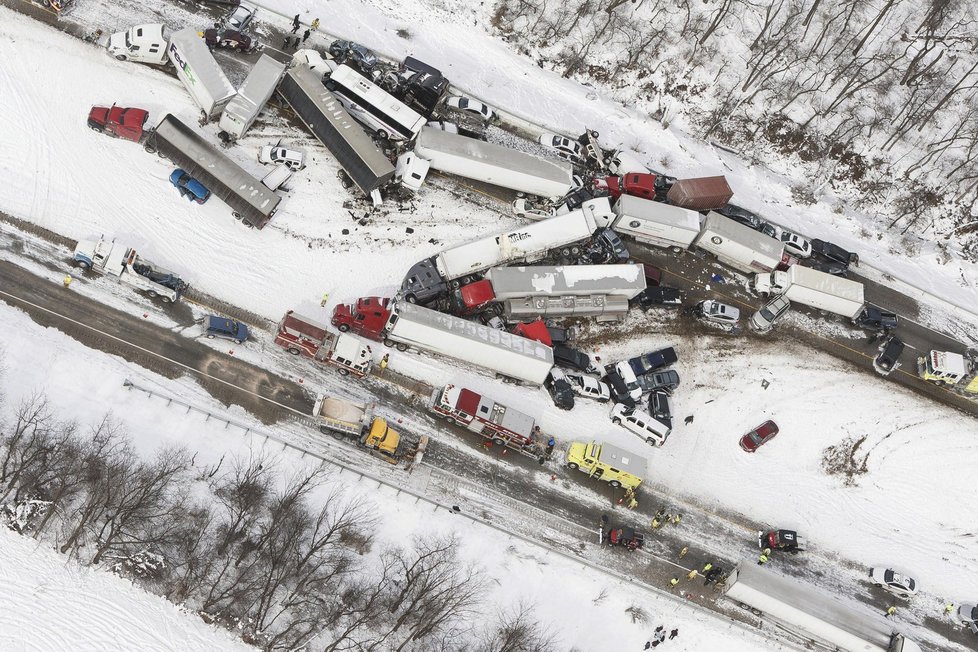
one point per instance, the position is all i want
(372, 106)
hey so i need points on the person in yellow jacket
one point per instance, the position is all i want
(673, 582)
(763, 559)
(890, 612)
(315, 24)
(67, 280)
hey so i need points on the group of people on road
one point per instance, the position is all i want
(664, 518)
(659, 637)
(294, 41)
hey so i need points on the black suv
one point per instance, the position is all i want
(560, 389)
(565, 356)
(831, 256)
(659, 406)
(876, 319)
(889, 358)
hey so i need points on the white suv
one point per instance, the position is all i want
(293, 158)
(653, 431)
(718, 313)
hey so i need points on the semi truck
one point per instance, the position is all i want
(124, 264)
(199, 71)
(241, 112)
(348, 420)
(495, 422)
(607, 308)
(428, 279)
(405, 325)
(656, 223)
(702, 194)
(250, 201)
(812, 615)
(614, 465)
(813, 288)
(947, 368)
(141, 43)
(626, 280)
(325, 117)
(741, 247)
(495, 164)
(301, 335)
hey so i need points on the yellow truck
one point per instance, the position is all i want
(947, 368)
(347, 420)
(616, 466)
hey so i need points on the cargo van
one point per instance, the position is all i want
(617, 467)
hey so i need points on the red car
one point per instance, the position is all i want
(118, 122)
(759, 436)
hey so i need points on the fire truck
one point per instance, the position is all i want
(501, 425)
(305, 336)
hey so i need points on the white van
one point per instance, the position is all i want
(653, 431)
(279, 175)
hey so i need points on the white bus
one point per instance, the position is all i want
(372, 106)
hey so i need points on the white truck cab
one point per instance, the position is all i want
(142, 43)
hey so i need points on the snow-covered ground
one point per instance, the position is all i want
(911, 508)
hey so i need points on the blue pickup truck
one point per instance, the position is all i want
(225, 328)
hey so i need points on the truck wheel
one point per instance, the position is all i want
(401, 347)
(166, 299)
(572, 466)
(236, 215)
(498, 442)
(84, 265)
(411, 298)
(149, 148)
(616, 421)
(388, 342)
(615, 484)
(650, 441)
(210, 337)
(325, 430)
(97, 128)
(382, 134)
(121, 57)
(450, 421)
(343, 328)
(151, 293)
(344, 372)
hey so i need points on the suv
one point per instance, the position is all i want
(653, 431)
(888, 359)
(624, 371)
(763, 320)
(225, 328)
(741, 215)
(619, 391)
(874, 318)
(659, 406)
(716, 312)
(293, 158)
(565, 356)
(643, 364)
(833, 253)
(667, 380)
(560, 390)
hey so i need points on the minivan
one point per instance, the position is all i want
(645, 426)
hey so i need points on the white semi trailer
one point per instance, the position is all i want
(813, 288)
(739, 246)
(495, 164)
(199, 72)
(241, 112)
(813, 615)
(656, 223)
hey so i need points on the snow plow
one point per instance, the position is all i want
(348, 420)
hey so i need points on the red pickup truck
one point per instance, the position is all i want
(118, 122)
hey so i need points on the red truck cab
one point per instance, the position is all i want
(639, 184)
(367, 317)
(118, 122)
(470, 299)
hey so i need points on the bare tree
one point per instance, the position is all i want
(516, 630)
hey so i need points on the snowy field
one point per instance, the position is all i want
(910, 508)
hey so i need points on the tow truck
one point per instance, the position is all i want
(124, 263)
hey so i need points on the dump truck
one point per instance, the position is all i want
(813, 288)
(812, 615)
(123, 263)
(301, 335)
(348, 420)
(949, 369)
(614, 465)
(501, 425)
(702, 194)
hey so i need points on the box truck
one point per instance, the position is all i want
(813, 288)
(199, 72)
(495, 164)
(243, 109)
(812, 615)
(405, 325)
(741, 247)
(656, 223)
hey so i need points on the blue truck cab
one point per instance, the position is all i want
(225, 328)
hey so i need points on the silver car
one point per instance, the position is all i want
(967, 615)
(763, 320)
